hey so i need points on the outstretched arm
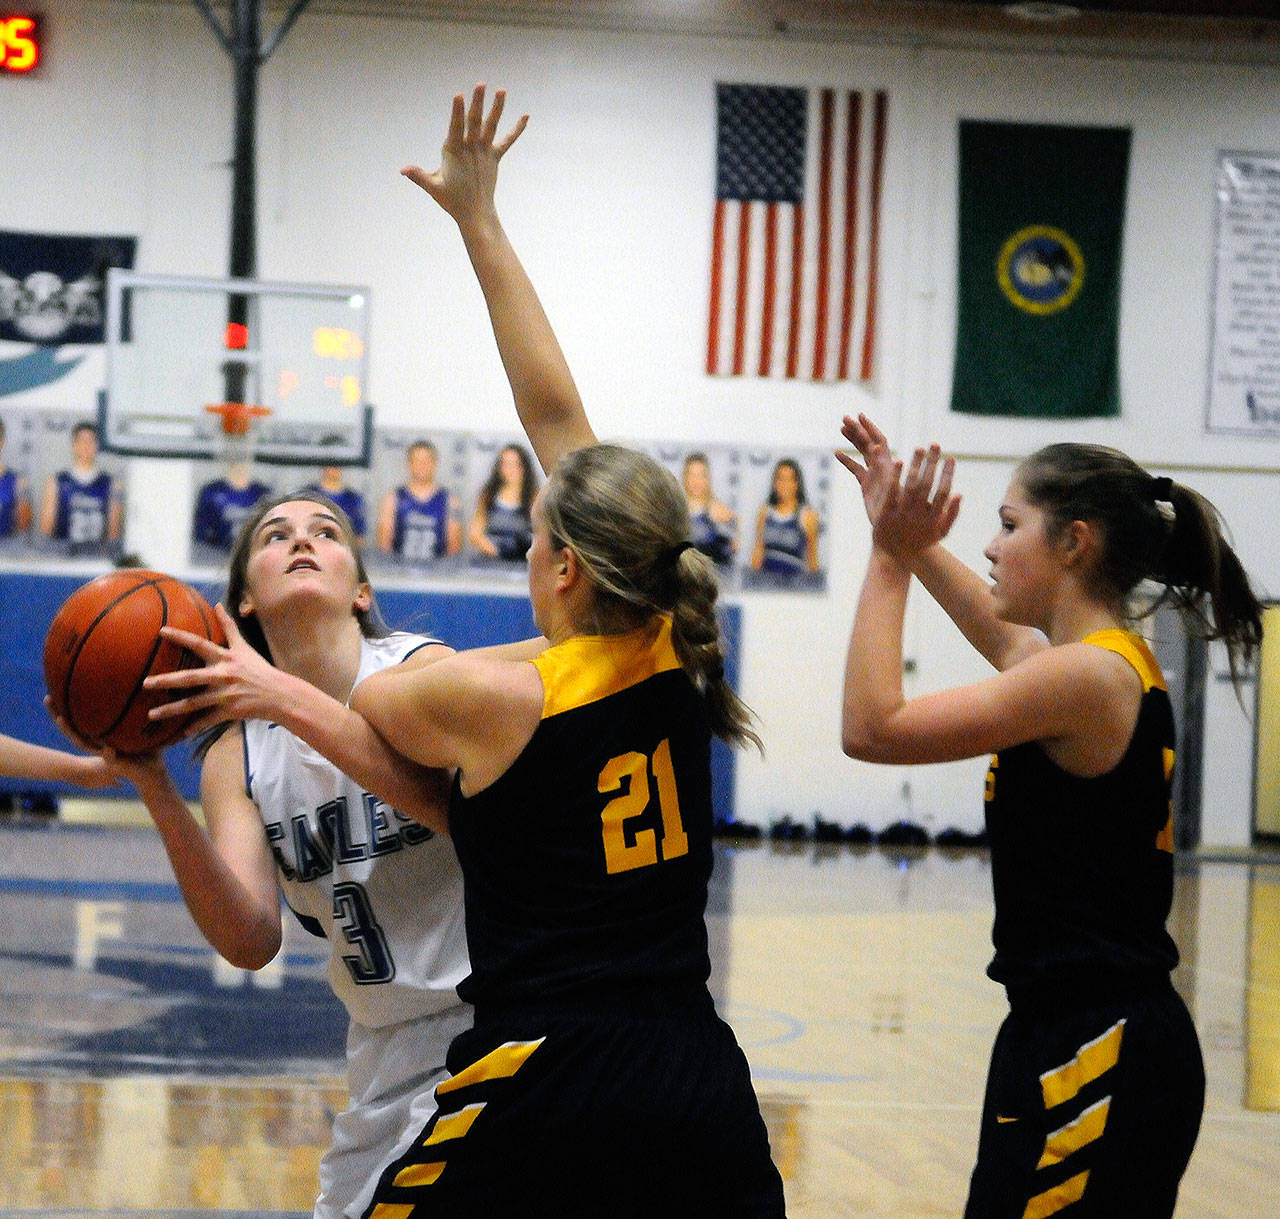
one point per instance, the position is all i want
(961, 592)
(546, 397)
(22, 760)
(236, 683)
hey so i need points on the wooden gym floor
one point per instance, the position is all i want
(141, 1077)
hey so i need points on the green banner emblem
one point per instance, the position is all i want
(1041, 222)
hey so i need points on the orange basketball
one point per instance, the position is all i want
(105, 640)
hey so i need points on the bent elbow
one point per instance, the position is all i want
(856, 745)
(252, 952)
(246, 958)
(861, 741)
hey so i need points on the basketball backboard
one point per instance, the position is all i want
(179, 349)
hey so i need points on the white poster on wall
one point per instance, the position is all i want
(1244, 352)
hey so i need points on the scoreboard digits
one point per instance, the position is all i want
(19, 43)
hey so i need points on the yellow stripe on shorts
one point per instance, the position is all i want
(501, 1063)
(454, 1126)
(386, 1210)
(1053, 1200)
(419, 1174)
(1091, 1060)
(1070, 1138)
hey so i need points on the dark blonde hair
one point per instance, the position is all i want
(1152, 529)
(626, 520)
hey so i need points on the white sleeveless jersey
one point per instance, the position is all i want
(385, 891)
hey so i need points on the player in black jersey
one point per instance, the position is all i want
(1096, 1086)
(598, 1079)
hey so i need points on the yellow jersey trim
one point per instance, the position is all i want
(587, 668)
(454, 1125)
(1135, 650)
(416, 1176)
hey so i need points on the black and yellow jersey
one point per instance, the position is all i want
(1083, 867)
(586, 863)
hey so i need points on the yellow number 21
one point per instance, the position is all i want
(635, 768)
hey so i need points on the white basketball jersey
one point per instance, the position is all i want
(385, 891)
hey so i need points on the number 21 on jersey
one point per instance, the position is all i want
(632, 771)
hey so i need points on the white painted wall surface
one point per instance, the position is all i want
(608, 199)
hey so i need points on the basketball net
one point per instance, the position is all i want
(237, 428)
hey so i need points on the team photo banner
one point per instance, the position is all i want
(1244, 354)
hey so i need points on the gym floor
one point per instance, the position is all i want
(140, 1076)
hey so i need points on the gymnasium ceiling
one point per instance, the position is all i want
(1228, 30)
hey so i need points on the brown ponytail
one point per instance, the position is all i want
(1153, 529)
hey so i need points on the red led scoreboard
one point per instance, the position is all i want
(20, 42)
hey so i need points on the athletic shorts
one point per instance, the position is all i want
(391, 1077)
(1091, 1109)
(596, 1115)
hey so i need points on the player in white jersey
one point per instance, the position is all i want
(300, 799)
(298, 591)
(351, 871)
(386, 893)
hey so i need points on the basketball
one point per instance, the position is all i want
(105, 640)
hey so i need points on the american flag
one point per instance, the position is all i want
(795, 239)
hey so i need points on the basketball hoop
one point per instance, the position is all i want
(237, 421)
(237, 416)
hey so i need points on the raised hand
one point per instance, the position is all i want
(464, 183)
(908, 514)
(878, 478)
(235, 683)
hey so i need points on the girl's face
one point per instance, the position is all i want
(786, 486)
(697, 480)
(300, 555)
(1025, 564)
(511, 468)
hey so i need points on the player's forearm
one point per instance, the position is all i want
(873, 664)
(965, 597)
(546, 397)
(240, 928)
(351, 744)
(23, 760)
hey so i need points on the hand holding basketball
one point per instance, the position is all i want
(105, 641)
(236, 682)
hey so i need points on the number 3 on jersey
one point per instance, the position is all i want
(633, 770)
(371, 962)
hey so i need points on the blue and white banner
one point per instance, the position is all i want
(52, 286)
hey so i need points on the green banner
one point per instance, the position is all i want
(1041, 220)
